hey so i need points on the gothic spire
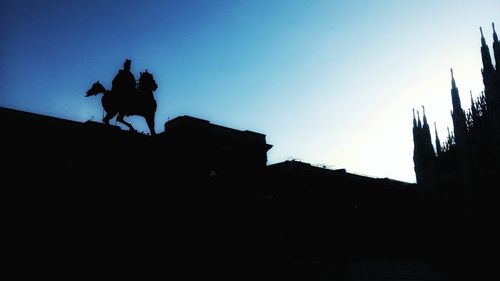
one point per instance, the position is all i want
(473, 106)
(419, 124)
(424, 118)
(457, 114)
(483, 41)
(496, 48)
(486, 57)
(495, 37)
(414, 120)
(426, 135)
(417, 135)
(438, 142)
(455, 98)
(453, 84)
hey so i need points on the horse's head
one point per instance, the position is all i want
(147, 82)
(96, 88)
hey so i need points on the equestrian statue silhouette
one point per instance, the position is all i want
(125, 98)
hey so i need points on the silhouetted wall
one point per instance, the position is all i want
(93, 196)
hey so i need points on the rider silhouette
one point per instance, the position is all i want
(124, 82)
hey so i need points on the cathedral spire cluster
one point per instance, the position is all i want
(491, 77)
(473, 131)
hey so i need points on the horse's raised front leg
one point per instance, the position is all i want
(120, 119)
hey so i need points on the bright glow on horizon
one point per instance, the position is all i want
(328, 82)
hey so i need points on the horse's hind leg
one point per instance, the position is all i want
(120, 119)
(108, 117)
(151, 124)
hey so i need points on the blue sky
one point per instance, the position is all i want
(329, 82)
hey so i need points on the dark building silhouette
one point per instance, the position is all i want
(213, 150)
(458, 179)
(94, 196)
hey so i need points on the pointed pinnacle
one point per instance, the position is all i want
(483, 41)
(453, 84)
(495, 36)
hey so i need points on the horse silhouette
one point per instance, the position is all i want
(140, 103)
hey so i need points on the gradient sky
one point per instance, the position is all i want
(329, 82)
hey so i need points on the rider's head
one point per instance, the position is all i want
(126, 65)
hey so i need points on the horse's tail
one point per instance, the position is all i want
(95, 93)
